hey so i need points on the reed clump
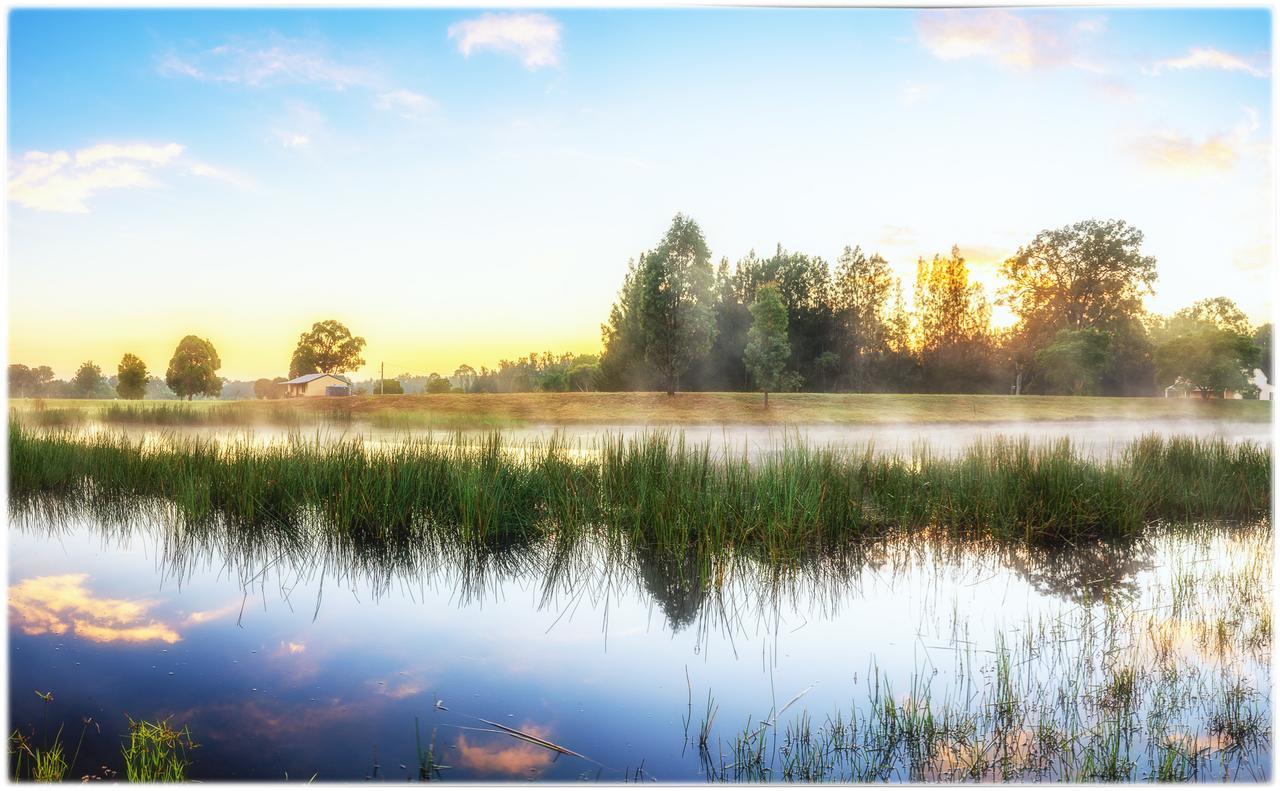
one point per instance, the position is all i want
(655, 489)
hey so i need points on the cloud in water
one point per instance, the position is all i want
(505, 756)
(532, 38)
(62, 604)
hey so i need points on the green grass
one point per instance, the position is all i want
(655, 489)
(485, 411)
(156, 752)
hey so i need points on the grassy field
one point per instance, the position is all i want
(685, 409)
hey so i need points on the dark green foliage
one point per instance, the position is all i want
(131, 379)
(328, 347)
(193, 370)
(88, 381)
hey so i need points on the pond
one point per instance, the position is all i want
(911, 657)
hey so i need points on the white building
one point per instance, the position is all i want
(1260, 381)
(316, 385)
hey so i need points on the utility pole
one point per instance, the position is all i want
(382, 378)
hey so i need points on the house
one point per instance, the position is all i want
(1259, 380)
(317, 385)
(1181, 388)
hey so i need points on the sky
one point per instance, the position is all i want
(460, 186)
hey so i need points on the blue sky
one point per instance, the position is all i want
(461, 185)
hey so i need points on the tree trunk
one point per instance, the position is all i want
(766, 399)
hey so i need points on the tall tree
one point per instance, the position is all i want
(622, 363)
(328, 347)
(861, 291)
(767, 348)
(87, 380)
(676, 304)
(131, 378)
(1088, 274)
(953, 324)
(804, 284)
(193, 370)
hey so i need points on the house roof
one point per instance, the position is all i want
(301, 380)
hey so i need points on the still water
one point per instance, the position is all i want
(299, 659)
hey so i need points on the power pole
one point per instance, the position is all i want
(382, 378)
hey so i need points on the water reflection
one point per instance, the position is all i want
(293, 650)
(62, 604)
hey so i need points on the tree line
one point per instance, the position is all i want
(791, 321)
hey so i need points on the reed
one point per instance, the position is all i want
(655, 489)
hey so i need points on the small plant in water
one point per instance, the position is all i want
(156, 753)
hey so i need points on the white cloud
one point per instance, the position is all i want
(913, 92)
(281, 61)
(290, 139)
(1168, 150)
(1011, 39)
(406, 104)
(1208, 58)
(533, 38)
(64, 182)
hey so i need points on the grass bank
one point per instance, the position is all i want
(655, 489)
(514, 409)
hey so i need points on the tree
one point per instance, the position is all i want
(1209, 346)
(389, 387)
(1089, 274)
(193, 369)
(328, 347)
(953, 326)
(131, 382)
(438, 384)
(21, 381)
(767, 349)
(622, 364)
(467, 376)
(1074, 361)
(676, 305)
(861, 292)
(87, 380)
(584, 372)
(1262, 337)
(269, 388)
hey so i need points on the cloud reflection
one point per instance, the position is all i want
(61, 603)
(500, 756)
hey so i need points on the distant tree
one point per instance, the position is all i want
(41, 376)
(438, 384)
(388, 387)
(193, 369)
(466, 375)
(584, 372)
(1262, 337)
(861, 292)
(131, 378)
(88, 380)
(767, 349)
(328, 347)
(1076, 358)
(269, 388)
(21, 381)
(676, 305)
